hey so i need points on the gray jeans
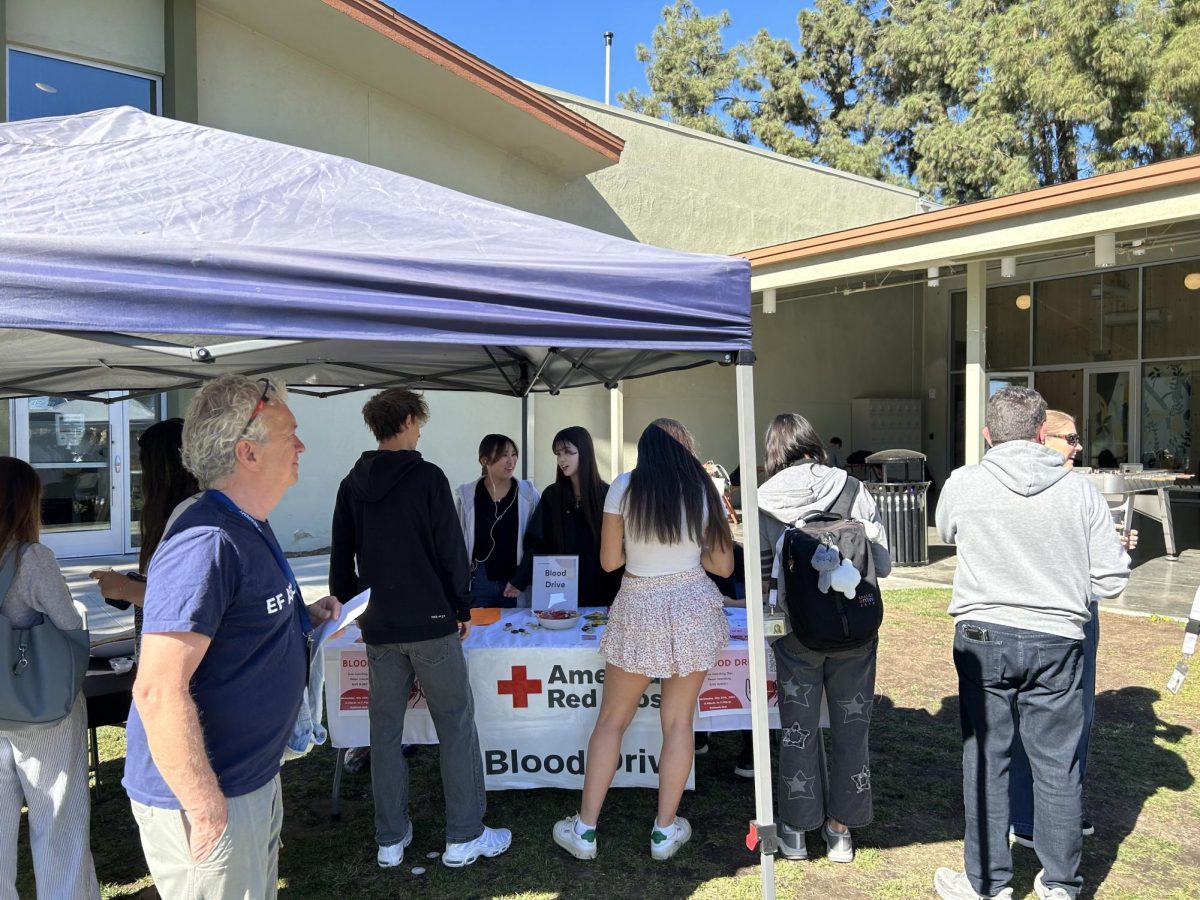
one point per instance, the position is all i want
(441, 668)
(808, 795)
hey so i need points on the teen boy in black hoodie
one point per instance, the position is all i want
(395, 519)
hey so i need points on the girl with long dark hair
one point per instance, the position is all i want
(45, 768)
(799, 481)
(665, 523)
(567, 519)
(493, 511)
(165, 484)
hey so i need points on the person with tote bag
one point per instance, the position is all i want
(43, 716)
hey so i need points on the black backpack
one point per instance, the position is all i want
(828, 621)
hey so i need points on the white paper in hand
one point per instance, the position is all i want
(351, 610)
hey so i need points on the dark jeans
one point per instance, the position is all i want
(808, 794)
(441, 668)
(485, 593)
(1020, 778)
(1015, 681)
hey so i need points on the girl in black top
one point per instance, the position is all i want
(567, 520)
(493, 512)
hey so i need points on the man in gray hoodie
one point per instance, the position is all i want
(1033, 547)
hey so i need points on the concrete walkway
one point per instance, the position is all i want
(1157, 586)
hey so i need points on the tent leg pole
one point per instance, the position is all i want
(756, 640)
(527, 435)
(616, 431)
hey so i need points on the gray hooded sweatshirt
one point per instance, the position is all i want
(811, 487)
(1033, 544)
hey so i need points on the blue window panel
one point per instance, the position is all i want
(44, 86)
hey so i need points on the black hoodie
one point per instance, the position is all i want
(395, 515)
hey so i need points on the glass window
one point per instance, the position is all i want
(1171, 310)
(1007, 327)
(958, 330)
(1089, 318)
(47, 86)
(1170, 409)
(1063, 391)
(1007, 343)
(69, 447)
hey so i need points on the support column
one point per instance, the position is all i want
(976, 374)
(616, 431)
(180, 82)
(764, 814)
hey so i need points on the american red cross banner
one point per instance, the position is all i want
(536, 693)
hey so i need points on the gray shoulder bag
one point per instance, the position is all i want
(41, 667)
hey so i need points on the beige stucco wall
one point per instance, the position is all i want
(678, 188)
(252, 84)
(125, 33)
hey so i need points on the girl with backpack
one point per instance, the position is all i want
(42, 766)
(567, 519)
(664, 522)
(800, 482)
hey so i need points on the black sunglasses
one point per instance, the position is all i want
(1072, 438)
(262, 402)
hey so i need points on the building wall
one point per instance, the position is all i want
(682, 189)
(125, 33)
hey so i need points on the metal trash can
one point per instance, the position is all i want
(902, 504)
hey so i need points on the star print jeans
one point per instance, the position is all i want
(1015, 681)
(809, 792)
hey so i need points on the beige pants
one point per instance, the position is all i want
(243, 865)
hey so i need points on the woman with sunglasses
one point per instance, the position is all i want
(493, 511)
(1062, 435)
(567, 519)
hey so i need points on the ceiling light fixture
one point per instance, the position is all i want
(769, 301)
(931, 276)
(1008, 267)
(1191, 281)
(1024, 301)
(1106, 250)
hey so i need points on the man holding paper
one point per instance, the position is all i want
(396, 531)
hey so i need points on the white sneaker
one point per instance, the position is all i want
(392, 855)
(952, 885)
(840, 844)
(492, 842)
(1045, 893)
(665, 846)
(580, 846)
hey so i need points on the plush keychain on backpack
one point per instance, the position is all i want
(825, 560)
(845, 579)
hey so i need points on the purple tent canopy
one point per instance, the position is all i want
(142, 253)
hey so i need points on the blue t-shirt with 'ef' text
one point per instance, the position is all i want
(216, 575)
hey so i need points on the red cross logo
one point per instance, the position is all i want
(519, 687)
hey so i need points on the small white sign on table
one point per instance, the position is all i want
(555, 582)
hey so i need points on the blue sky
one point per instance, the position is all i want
(560, 43)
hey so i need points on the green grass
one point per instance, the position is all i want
(1141, 793)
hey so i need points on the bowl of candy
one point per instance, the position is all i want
(557, 619)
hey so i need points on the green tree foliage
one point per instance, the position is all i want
(963, 99)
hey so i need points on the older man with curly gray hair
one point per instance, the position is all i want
(224, 657)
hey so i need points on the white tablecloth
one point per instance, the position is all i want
(536, 695)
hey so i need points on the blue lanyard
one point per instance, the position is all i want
(273, 546)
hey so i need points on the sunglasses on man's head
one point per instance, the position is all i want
(261, 404)
(1072, 438)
